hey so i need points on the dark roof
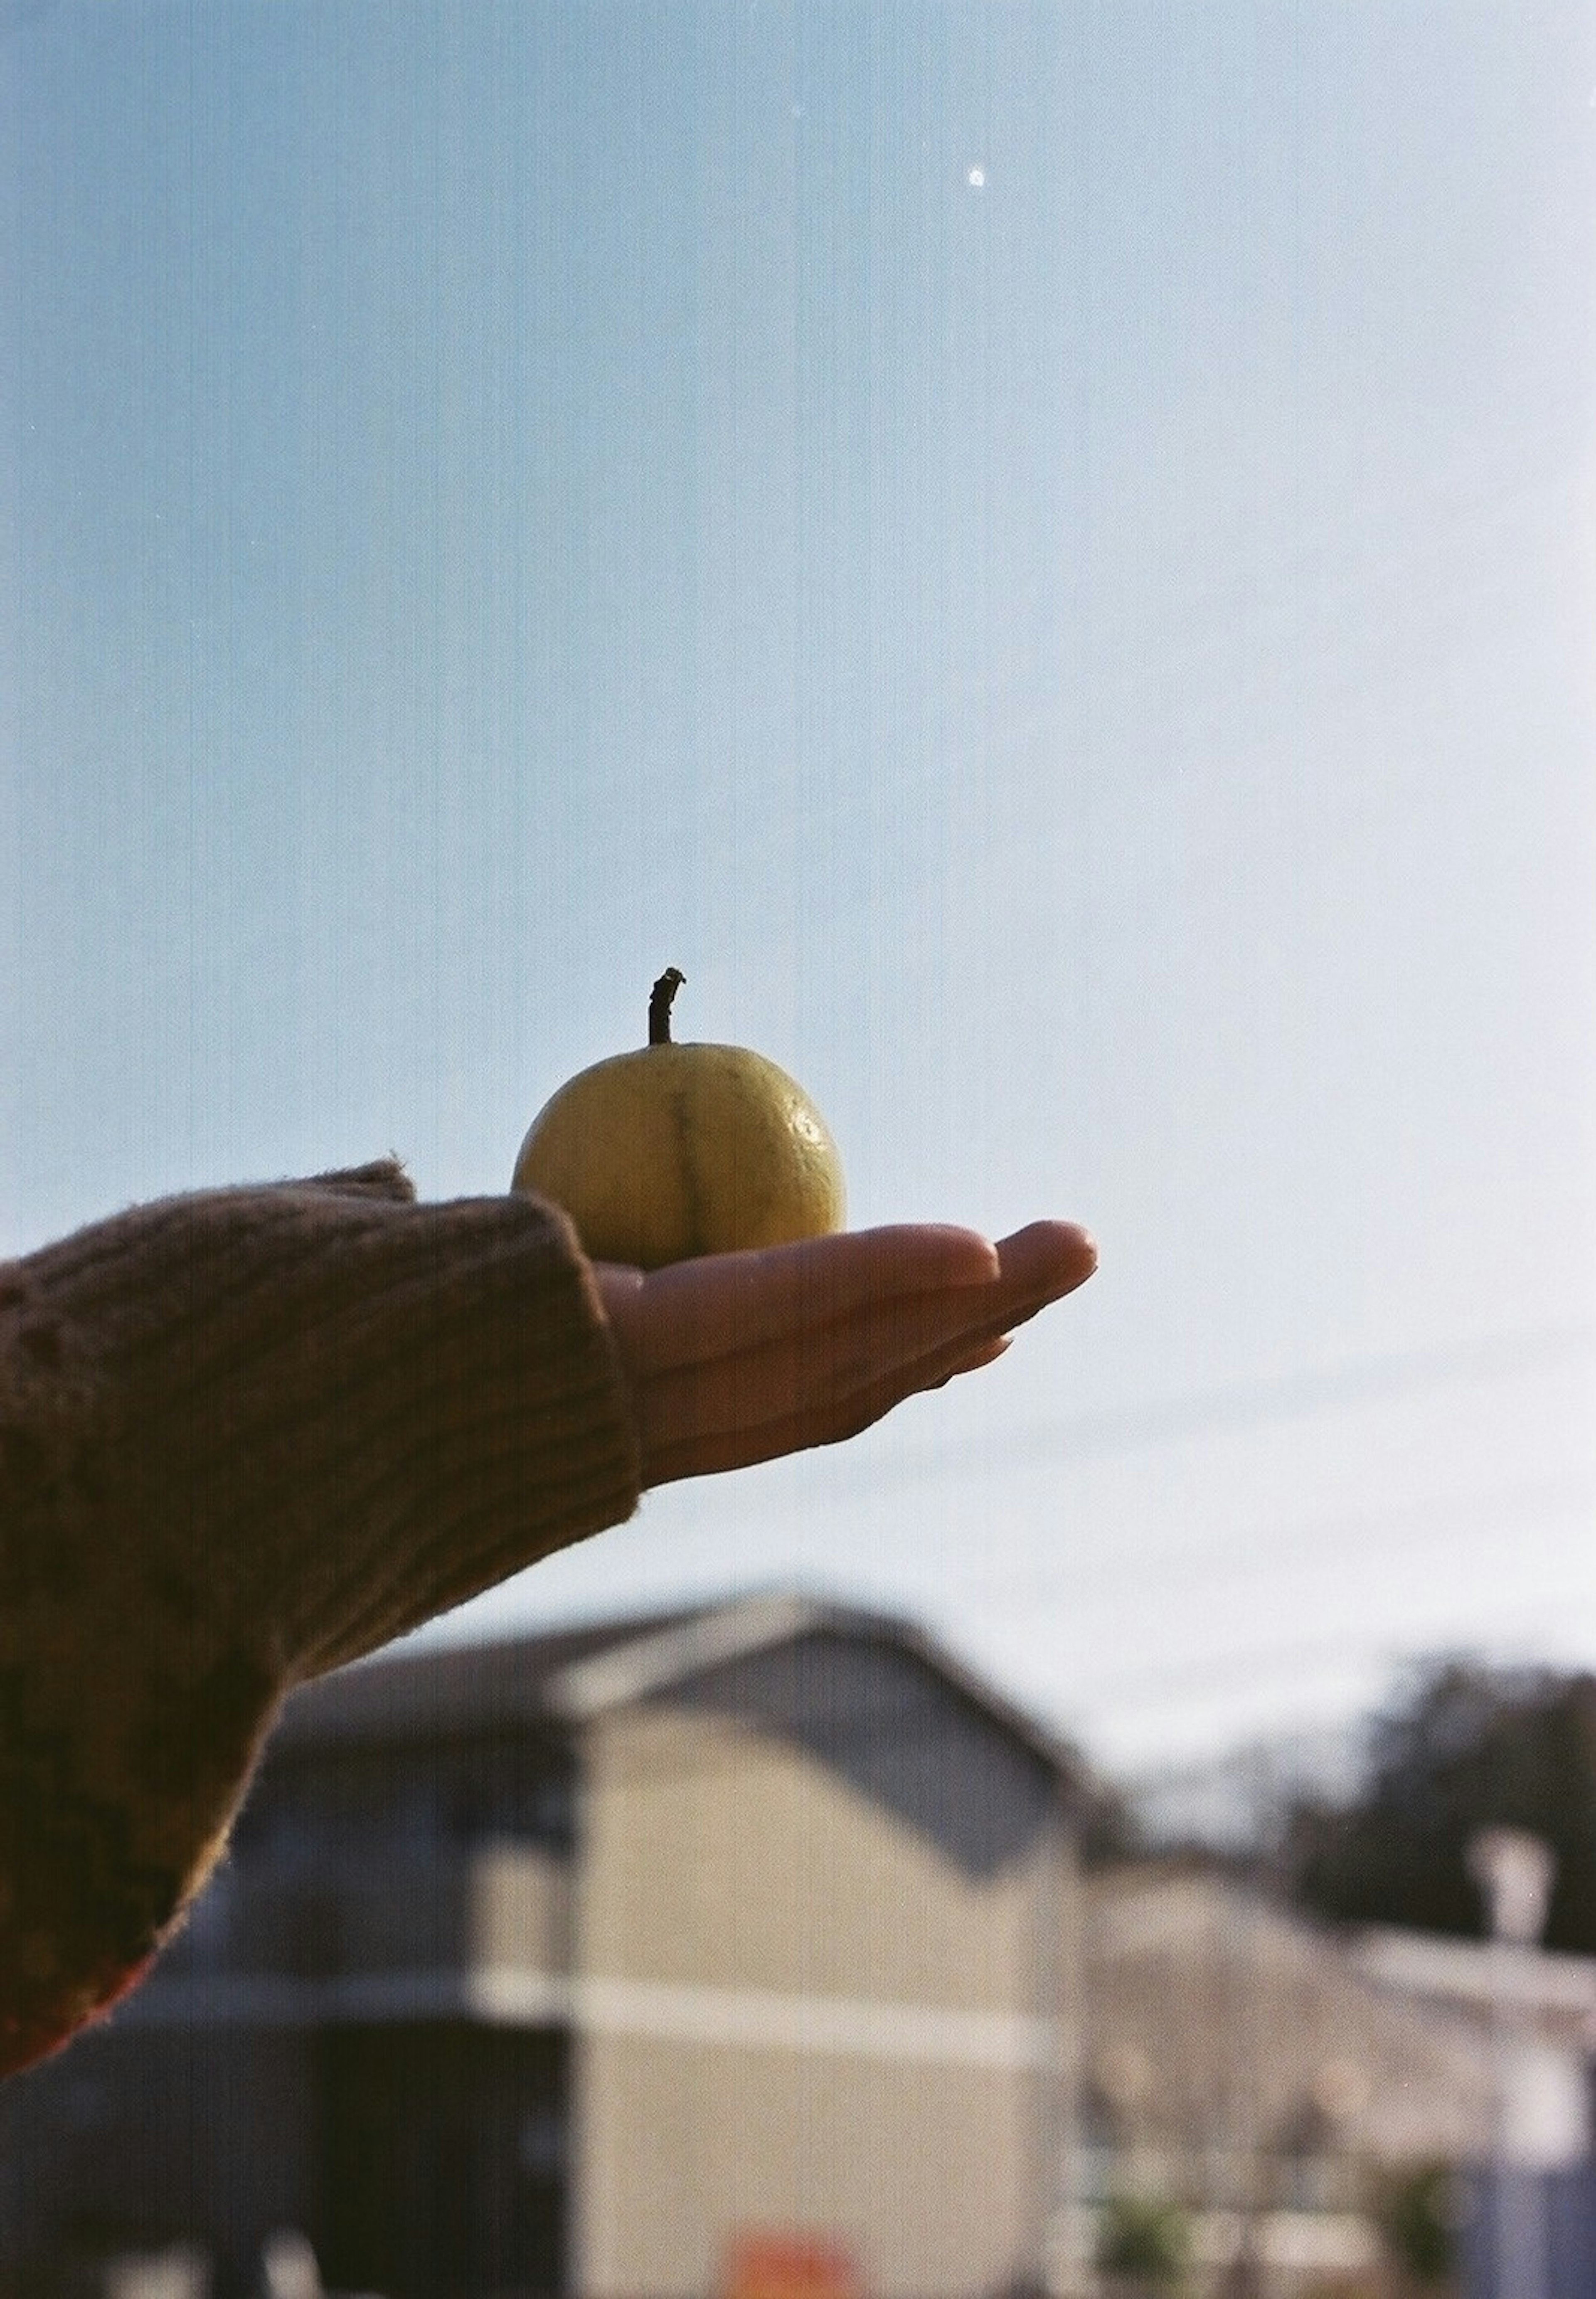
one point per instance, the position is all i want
(421, 1690)
(552, 1682)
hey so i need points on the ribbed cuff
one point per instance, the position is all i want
(245, 1436)
(250, 1434)
(357, 1412)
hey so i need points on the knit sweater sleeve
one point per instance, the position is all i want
(247, 1435)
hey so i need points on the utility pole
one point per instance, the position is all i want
(1514, 1871)
(1060, 1997)
(1246, 2276)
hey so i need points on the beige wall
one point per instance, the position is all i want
(808, 1987)
(714, 1851)
(521, 1909)
(921, 2170)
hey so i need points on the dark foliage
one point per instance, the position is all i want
(1463, 1746)
(1418, 2219)
(1145, 2239)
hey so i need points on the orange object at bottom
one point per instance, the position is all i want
(789, 2266)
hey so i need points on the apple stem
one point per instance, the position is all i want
(659, 1005)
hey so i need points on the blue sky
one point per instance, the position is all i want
(1043, 554)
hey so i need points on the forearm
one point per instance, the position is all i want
(245, 1436)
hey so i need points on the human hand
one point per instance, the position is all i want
(737, 1358)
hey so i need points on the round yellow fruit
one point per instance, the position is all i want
(676, 1150)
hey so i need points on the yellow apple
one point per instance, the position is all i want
(675, 1151)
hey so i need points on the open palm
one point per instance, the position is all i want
(736, 1358)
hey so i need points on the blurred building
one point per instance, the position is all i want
(1238, 2059)
(1531, 2228)
(720, 1952)
(1537, 2009)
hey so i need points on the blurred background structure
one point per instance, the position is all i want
(766, 1949)
(591, 1963)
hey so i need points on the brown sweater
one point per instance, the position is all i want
(245, 1436)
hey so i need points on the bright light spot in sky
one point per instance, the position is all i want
(976, 179)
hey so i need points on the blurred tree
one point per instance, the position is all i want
(1463, 1746)
(1416, 2215)
(1145, 2242)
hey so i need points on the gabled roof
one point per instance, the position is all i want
(416, 1691)
(561, 1680)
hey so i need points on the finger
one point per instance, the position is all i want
(723, 1408)
(696, 1311)
(714, 1449)
(819, 1366)
(706, 1307)
(1047, 1259)
(987, 1354)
